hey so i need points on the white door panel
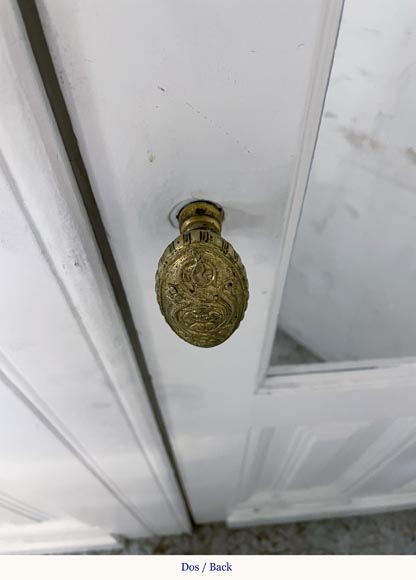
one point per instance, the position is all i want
(197, 100)
(15, 512)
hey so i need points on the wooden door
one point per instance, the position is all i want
(223, 101)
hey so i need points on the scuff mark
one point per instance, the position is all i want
(410, 153)
(354, 213)
(198, 112)
(381, 116)
(341, 78)
(359, 139)
(330, 115)
(373, 31)
(364, 72)
(321, 224)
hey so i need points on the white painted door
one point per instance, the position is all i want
(80, 451)
(222, 101)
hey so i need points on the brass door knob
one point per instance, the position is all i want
(201, 283)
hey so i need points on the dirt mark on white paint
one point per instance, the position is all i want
(359, 139)
(410, 153)
(353, 212)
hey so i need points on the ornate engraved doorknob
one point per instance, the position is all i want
(201, 283)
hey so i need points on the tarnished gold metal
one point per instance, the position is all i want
(201, 283)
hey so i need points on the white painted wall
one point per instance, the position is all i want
(351, 286)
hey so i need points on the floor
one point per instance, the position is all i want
(393, 533)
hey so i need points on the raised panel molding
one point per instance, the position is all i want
(26, 512)
(54, 537)
(273, 512)
(287, 452)
(258, 445)
(308, 440)
(399, 435)
(283, 499)
(375, 375)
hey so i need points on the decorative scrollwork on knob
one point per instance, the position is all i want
(201, 283)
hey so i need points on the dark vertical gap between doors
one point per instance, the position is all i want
(40, 49)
